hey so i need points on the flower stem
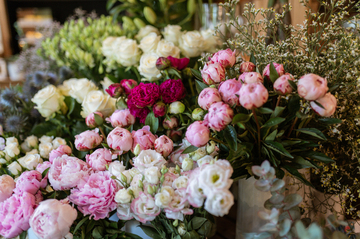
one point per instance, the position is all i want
(278, 101)
(218, 141)
(102, 133)
(191, 87)
(292, 127)
(258, 131)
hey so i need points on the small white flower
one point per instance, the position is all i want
(152, 175)
(45, 149)
(14, 168)
(123, 196)
(57, 142)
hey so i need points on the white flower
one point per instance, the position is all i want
(124, 211)
(46, 139)
(48, 101)
(32, 141)
(164, 197)
(12, 140)
(167, 48)
(116, 168)
(180, 182)
(144, 208)
(196, 197)
(45, 149)
(210, 40)
(204, 160)
(149, 43)
(34, 151)
(191, 44)
(123, 196)
(57, 142)
(152, 175)
(97, 101)
(219, 202)
(107, 46)
(106, 83)
(133, 172)
(77, 88)
(213, 177)
(146, 31)
(147, 66)
(187, 164)
(126, 52)
(198, 154)
(7, 186)
(136, 190)
(14, 168)
(181, 229)
(172, 33)
(12, 150)
(148, 158)
(30, 161)
(2, 161)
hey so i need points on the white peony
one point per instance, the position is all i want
(167, 48)
(48, 101)
(46, 139)
(149, 43)
(152, 175)
(45, 149)
(148, 158)
(172, 33)
(30, 161)
(147, 66)
(57, 142)
(126, 52)
(77, 88)
(211, 42)
(123, 196)
(14, 168)
(191, 44)
(219, 202)
(146, 31)
(164, 197)
(97, 101)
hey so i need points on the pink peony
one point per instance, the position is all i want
(229, 90)
(7, 186)
(144, 208)
(128, 85)
(164, 145)
(121, 118)
(170, 124)
(140, 113)
(172, 90)
(279, 69)
(38, 197)
(328, 101)
(207, 97)
(253, 95)
(41, 168)
(96, 196)
(219, 116)
(247, 67)
(99, 159)
(120, 139)
(52, 219)
(87, 140)
(60, 151)
(15, 213)
(144, 138)
(282, 85)
(226, 58)
(90, 119)
(145, 95)
(115, 90)
(213, 73)
(159, 109)
(242, 77)
(312, 87)
(29, 181)
(253, 77)
(178, 63)
(198, 134)
(68, 172)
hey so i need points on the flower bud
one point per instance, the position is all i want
(226, 58)
(312, 87)
(207, 97)
(177, 169)
(137, 150)
(198, 134)
(90, 119)
(213, 73)
(121, 104)
(139, 23)
(253, 77)
(128, 85)
(247, 67)
(198, 114)
(115, 90)
(198, 154)
(149, 15)
(219, 116)
(159, 109)
(253, 95)
(187, 164)
(210, 147)
(176, 108)
(162, 178)
(182, 229)
(123, 178)
(162, 63)
(328, 101)
(176, 223)
(141, 185)
(170, 124)
(150, 189)
(279, 69)
(164, 169)
(282, 85)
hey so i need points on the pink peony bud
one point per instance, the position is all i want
(170, 124)
(213, 73)
(60, 151)
(328, 101)
(144, 138)
(198, 134)
(219, 116)
(279, 68)
(120, 139)
(229, 90)
(29, 181)
(174, 135)
(159, 109)
(282, 85)
(115, 90)
(312, 87)
(99, 159)
(253, 95)
(178, 63)
(164, 145)
(247, 67)
(226, 58)
(253, 77)
(207, 97)
(162, 63)
(87, 140)
(128, 85)
(7, 186)
(90, 119)
(242, 77)
(121, 118)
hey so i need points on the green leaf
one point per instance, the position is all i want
(80, 224)
(196, 73)
(152, 121)
(273, 121)
(313, 132)
(273, 73)
(330, 121)
(197, 222)
(264, 110)
(98, 232)
(320, 105)
(334, 87)
(293, 85)
(200, 86)
(133, 236)
(98, 119)
(150, 231)
(298, 175)
(70, 103)
(272, 135)
(243, 118)
(278, 148)
(23, 235)
(277, 112)
(45, 172)
(230, 136)
(294, 104)
(174, 72)
(317, 155)
(190, 149)
(300, 160)
(252, 58)
(110, 4)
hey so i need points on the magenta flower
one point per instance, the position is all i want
(145, 95)
(172, 90)
(115, 90)
(140, 113)
(178, 63)
(159, 109)
(128, 85)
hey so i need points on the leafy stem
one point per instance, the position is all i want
(258, 130)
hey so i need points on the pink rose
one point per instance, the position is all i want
(96, 196)
(172, 90)
(226, 58)
(115, 90)
(67, 172)
(164, 145)
(198, 134)
(121, 118)
(99, 159)
(60, 151)
(247, 67)
(52, 219)
(253, 77)
(328, 101)
(219, 116)
(145, 95)
(90, 119)
(312, 87)
(174, 135)
(279, 69)
(15, 213)
(253, 95)
(282, 85)
(120, 139)
(128, 85)
(170, 124)
(159, 109)
(213, 73)
(229, 90)
(207, 97)
(144, 138)
(87, 140)
(178, 63)
(144, 208)
(29, 181)
(7, 186)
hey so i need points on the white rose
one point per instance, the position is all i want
(57, 142)
(107, 46)
(46, 139)
(164, 197)
(48, 101)
(123, 196)
(106, 83)
(78, 88)
(14, 168)
(191, 43)
(219, 202)
(24, 146)
(126, 52)
(187, 164)
(172, 33)
(149, 43)
(147, 66)
(148, 158)
(180, 182)
(116, 168)
(152, 175)
(34, 151)
(97, 101)
(124, 212)
(213, 177)
(12, 140)
(2, 161)
(30, 142)
(45, 149)
(12, 150)
(167, 48)
(211, 42)
(30, 161)
(146, 31)
(204, 160)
